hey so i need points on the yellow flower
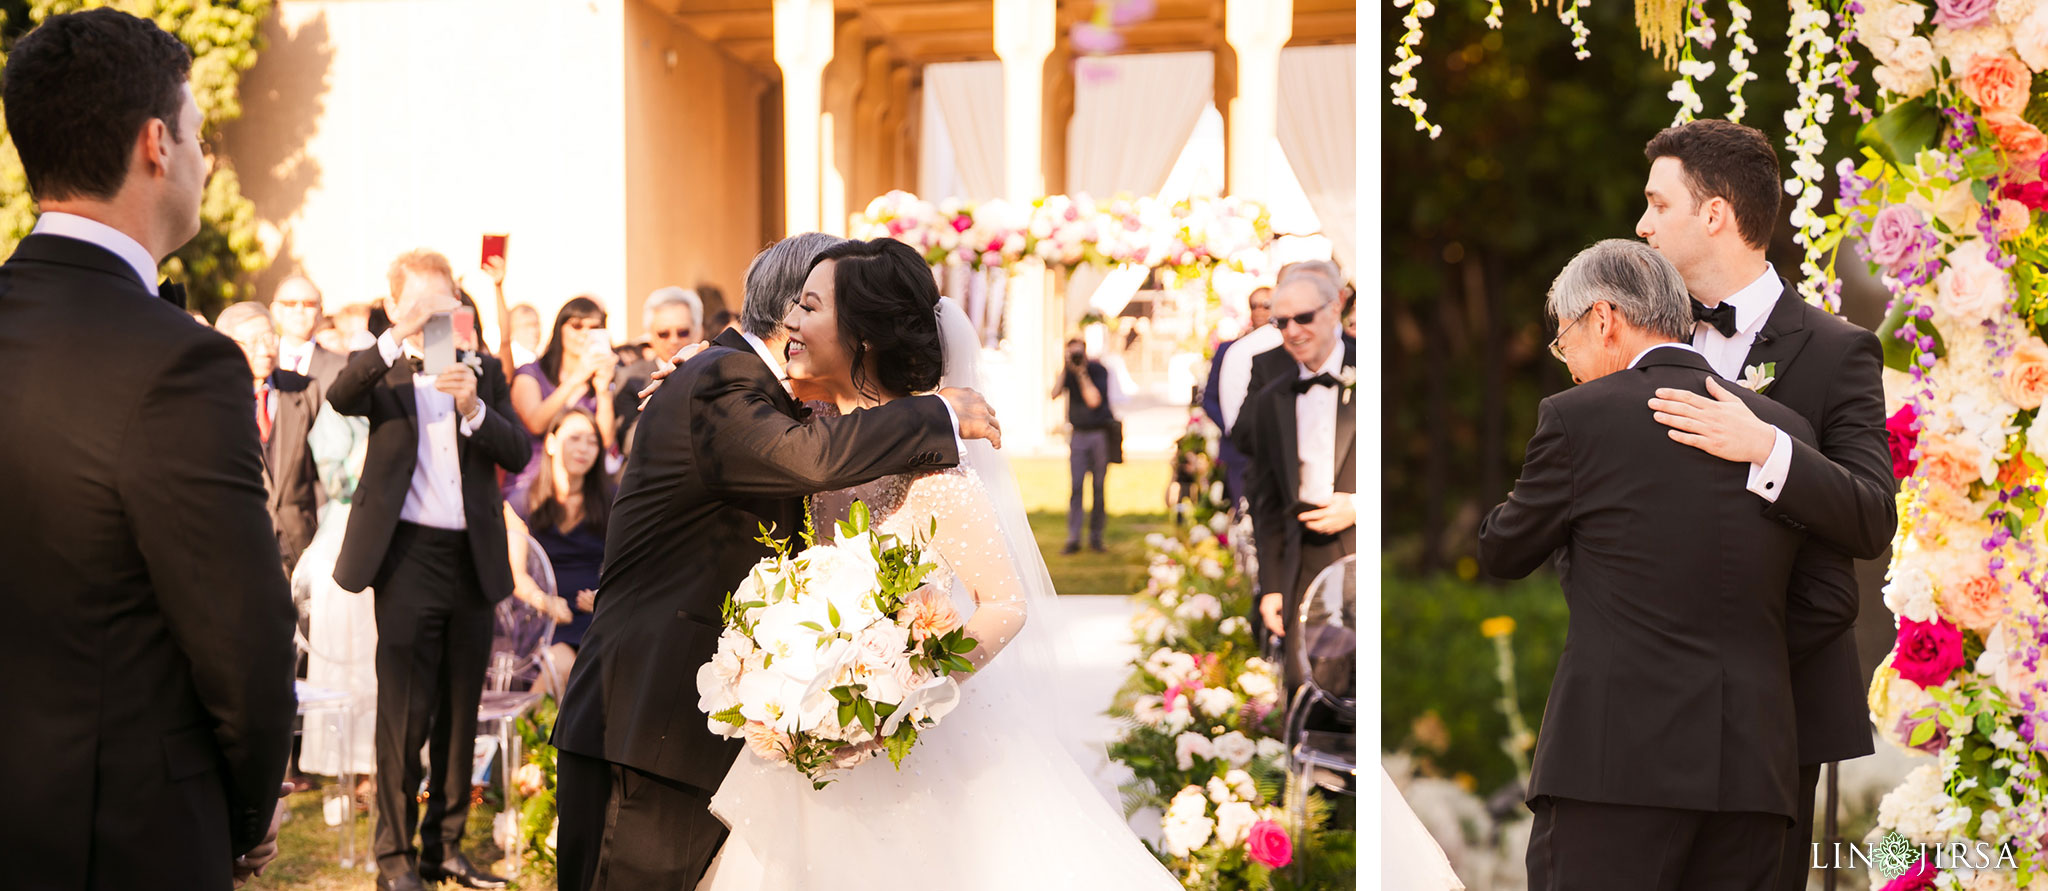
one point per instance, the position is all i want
(1498, 626)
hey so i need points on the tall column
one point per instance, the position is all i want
(1025, 32)
(1256, 30)
(803, 47)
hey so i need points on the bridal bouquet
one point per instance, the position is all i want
(835, 652)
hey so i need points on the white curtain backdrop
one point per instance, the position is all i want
(1130, 126)
(1318, 131)
(969, 96)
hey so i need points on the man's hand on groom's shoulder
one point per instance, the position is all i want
(977, 417)
(1721, 426)
(666, 367)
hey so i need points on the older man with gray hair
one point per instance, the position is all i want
(286, 404)
(1668, 754)
(672, 318)
(721, 452)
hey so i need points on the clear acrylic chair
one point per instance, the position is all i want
(336, 655)
(1323, 654)
(519, 674)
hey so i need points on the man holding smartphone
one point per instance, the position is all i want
(427, 532)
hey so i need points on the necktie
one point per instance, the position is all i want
(263, 415)
(1721, 317)
(1303, 385)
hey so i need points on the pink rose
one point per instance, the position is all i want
(2025, 382)
(929, 613)
(1920, 878)
(1960, 14)
(767, 742)
(1972, 288)
(1997, 83)
(2030, 40)
(1894, 235)
(2013, 218)
(1972, 597)
(1950, 465)
(2033, 195)
(1903, 439)
(1927, 652)
(1269, 844)
(2016, 136)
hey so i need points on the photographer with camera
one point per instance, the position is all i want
(1086, 385)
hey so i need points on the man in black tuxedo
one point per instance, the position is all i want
(1713, 197)
(722, 451)
(427, 531)
(1667, 757)
(286, 403)
(150, 654)
(1297, 434)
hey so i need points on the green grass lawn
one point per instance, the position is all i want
(308, 860)
(1137, 506)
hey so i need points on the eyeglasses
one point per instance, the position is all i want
(673, 333)
(1302, 319)
(1556, 351)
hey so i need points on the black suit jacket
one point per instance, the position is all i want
(289, 474)
(151, 649)
(368, 388)
(1265, 432)
(720, 453)
(1674, 688)
(1839, 488)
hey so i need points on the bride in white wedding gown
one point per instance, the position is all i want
(989, 799)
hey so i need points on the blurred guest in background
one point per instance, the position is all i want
(673, 318)
(286, 404)
(577, 369)
(348, 331)
(722, 321)
(1086, 385)
(565, 512)
(1260, 302)
(296, 306)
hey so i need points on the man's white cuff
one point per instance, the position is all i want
(1767, 480)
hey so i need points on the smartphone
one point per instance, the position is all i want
(494, 246)
(463, 321)
(440, 342)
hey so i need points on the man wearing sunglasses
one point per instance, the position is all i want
(672, 318)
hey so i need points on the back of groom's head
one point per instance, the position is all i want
(1729, 161)
(79, 89)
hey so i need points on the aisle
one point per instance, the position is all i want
(1101, 651)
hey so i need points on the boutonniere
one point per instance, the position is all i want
(1757, 378)
(1347, 382)
(472, 359)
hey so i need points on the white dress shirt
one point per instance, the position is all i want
(1315, 430)
(296, 358)
(1753, 305)
(98, 233)
(435, 496)
(1236, 376)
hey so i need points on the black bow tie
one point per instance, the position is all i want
(1721, 317)
(1303, 385)
(175, 293)
(415, 363)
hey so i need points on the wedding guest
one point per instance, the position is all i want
(525, 330)
(1260, 302)
(427, 531)
(1298, 439)
(341, 626)
(1669, 733)
(577, 369)
(672, 318)
(723, 321)
(565, 512)
(1712, 200)
(709, 294)
(350, 330)
(286, 404)
(1085, 382)
(297, 307)
(150, 626)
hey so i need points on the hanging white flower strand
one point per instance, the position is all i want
(1740, 49)
(1406, 59)
(1685, 90)
(1493, 16)
(1810, 64)
(1568, 13)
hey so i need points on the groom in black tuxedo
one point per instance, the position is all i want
(427, 532)
(1713, 196)
(1667, 757)
(722, 451)
(149, 654)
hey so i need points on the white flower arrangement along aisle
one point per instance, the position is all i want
(1943, 195)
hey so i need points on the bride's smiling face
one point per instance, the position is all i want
(816, 352)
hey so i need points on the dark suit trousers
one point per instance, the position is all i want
(433, 643)
(624, 829)
(1798, 857)
(1578, 845)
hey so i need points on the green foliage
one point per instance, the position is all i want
(537, 814)
(217, 264)
(1440, 696)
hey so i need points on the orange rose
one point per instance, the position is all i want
(1998, 83)
(2020, 139)
(767, 742)
(1949, 465)
(2025, 382)
(1973, 598)
(929, 613)
(2013, 218)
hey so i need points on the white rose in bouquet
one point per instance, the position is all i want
(1237, 749)
(1186, 825)
(1199, 606)
(1233, 822)
(1258, 683)
(1272, 749)
(1148, 710)
(1215, 701)
(1189, 746)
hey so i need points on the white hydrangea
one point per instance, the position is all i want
(1918, 806)
(1187, 824)
(1189, 746)
(1234, 822)
(1199, 606)
(1272, 749)
(1215, 701)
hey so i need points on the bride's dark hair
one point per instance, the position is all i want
(888, 306)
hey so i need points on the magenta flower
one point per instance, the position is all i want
(1894, 235)
(1928, 652)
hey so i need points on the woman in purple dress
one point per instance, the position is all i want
(576, 370)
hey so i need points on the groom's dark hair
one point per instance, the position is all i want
(887, 305)
(79, 89)
(1729, 161)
